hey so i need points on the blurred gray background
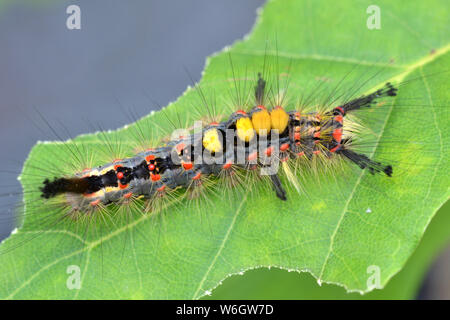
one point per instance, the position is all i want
(124, 52)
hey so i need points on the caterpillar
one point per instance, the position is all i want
(178, 164)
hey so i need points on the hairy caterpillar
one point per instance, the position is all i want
(176, 164)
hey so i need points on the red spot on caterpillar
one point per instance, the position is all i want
(197, 176)
(155, 177)
(284, 147)
(214, 123)
(161, 189)
(241, 112)
(119, 175)
(297, 136)
(261, 107)
(340, 109)
(128, 195)
(187, 165)
(149, 158)
(123, 186)
(337, 134)
(151, 167)
(316, 151)
(335, 148)
(117, 166)
(277, 107)
(117, 160)
(317, 134)
(95, 203)
(284, 159)
(300, 154)
(227, 165)
(252, 156)
(269, 151)
(88, 195)
(338, 118)
(316, 141)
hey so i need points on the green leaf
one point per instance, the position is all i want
(187, 250)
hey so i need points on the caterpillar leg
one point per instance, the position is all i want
(278, 187)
